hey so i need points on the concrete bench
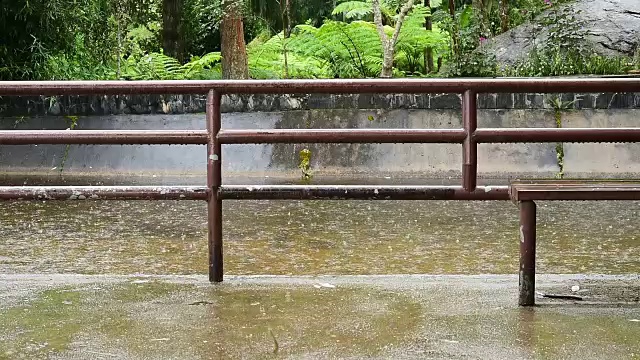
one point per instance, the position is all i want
(526, 193)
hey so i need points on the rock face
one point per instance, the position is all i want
(614, 26)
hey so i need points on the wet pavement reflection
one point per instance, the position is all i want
(315, 237)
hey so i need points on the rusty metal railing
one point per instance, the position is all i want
(214, 137)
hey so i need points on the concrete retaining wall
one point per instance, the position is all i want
(388, 111)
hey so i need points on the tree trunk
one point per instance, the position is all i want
(286, 24)
(429, 23)
(388, 45)
(119, 48)
(504, 15)
(172, 34)
(233, 49)
(428, 51)
(454, 36)
(387, 63)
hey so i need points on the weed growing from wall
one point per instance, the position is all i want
(305, 164)
(559, 106)
(72, 121)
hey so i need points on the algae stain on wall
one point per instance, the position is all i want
(285, 156)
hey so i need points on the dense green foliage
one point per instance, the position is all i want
(121, 39)
(48, 39)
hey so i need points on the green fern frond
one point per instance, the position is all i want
(199, 66)
(157, 66)
(267, 59)
(353, 9)
(361, 9)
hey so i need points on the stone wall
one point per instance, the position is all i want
(186, 104)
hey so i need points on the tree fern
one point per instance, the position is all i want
(353, 9)
(414, 39)
(361, 10)
(157, 66)
(203, 68)
(347, 48)
(153, 66)
(267, 59)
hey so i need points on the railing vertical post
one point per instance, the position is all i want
(527, 283)
(214, 181)
(469, 146)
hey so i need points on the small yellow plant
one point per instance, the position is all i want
(305, 164)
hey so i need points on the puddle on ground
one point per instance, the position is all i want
(181, 321)
(315, 237)
(145, 319)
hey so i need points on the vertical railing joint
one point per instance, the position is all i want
(214, 181)
(469, 146)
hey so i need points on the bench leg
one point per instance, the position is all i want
(527, 285)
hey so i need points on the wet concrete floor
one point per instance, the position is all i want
(357, 317)
(154, 303)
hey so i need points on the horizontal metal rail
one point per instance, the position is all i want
(330, 86)
(199, 137)
(341, 136)
(103, 137)
(103, 193)
(440, 136)
(253, 192)
(543, 135)
(355, 192)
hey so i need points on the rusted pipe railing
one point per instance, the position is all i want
(102, 137)
(214, 181)
(360, 86)
(469, 145)
(468, 136)
(545, 135)
(334, 136)
(103, 193)
(317, 136)
(358, 192)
